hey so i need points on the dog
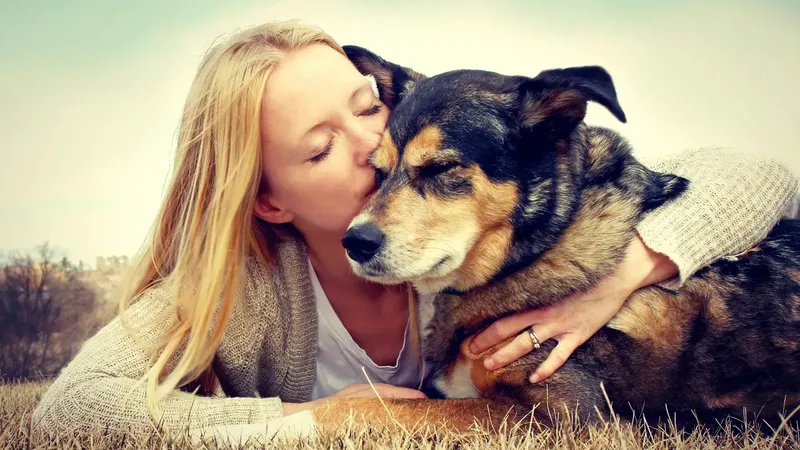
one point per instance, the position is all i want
(494, 194)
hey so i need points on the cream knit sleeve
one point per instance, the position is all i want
(100, 386)
(733, 201)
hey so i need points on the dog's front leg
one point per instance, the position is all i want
(459, 416)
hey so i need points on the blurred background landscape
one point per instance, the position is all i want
(92, 91)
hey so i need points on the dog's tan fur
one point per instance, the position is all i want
(659, 349)
(423, 147)
(385, 157)
(417, 416)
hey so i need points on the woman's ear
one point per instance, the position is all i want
(267, 209)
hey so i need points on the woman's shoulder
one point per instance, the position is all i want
(265, 281)
(281, 276)
(288, 260)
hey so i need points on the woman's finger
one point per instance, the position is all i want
(557, 357)
(504, 328)
(517, 348)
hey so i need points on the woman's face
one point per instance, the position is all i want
(320, 122)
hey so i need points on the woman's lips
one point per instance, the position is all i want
(367, 197)
(371, 192)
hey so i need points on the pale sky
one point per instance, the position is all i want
(91, 91)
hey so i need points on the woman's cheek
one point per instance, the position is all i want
(380, 120)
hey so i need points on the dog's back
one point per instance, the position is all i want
(746, 348)
(728, 339)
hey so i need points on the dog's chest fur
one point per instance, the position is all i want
(457, 373)
(458, 382)
(450, 375)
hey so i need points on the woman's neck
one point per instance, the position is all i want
(374, 315)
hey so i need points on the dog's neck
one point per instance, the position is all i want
(595, 220)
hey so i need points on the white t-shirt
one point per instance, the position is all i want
(339, 358)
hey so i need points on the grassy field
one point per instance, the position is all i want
(18, 400)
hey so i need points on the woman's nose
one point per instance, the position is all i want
(365, 142)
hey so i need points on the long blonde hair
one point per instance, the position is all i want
(205, 229)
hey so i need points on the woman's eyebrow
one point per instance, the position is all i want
(365, 86)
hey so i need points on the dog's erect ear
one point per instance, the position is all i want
(393, 81)
(557, 98)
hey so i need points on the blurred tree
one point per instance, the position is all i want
(46, 312)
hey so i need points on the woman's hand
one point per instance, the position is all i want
(383, 390)
(357, 391)
(575, 319)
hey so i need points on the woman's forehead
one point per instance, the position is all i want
(304, 90)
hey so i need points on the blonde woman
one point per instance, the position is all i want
(242, 306)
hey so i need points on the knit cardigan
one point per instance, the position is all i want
(268, 352)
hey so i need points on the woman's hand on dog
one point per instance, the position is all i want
(574, 320)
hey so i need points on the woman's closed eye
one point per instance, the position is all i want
(322, 154)
(375, 109)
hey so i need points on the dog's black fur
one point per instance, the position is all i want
(728, 338)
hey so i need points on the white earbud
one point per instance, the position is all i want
(374, 84)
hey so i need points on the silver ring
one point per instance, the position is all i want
(534, 338)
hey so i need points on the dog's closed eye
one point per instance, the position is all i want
(434, 170)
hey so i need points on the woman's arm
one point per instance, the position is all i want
(732, 202)
(793, 210)
(100, 387)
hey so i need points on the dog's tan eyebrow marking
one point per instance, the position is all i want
(439, 157)
(443, 156)
(423, 146)
(385, 157)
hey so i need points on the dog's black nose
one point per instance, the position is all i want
(362, 242)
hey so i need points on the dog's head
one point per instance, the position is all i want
(469, 158)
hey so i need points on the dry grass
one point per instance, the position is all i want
(18, 400)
